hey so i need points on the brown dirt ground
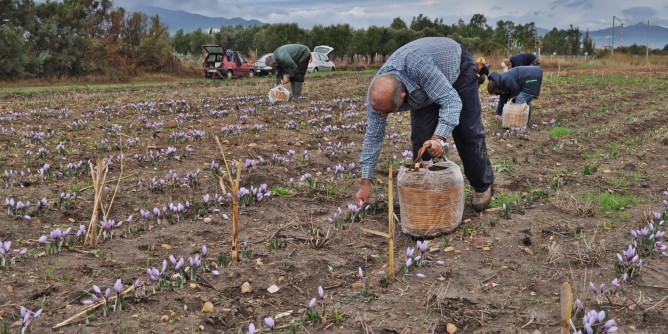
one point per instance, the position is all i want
(500, 275)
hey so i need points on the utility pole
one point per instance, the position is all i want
(612, 45)
(510, 40)
(621, 32)
(647, 45)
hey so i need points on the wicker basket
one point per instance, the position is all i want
(431, 198)
(515, 115)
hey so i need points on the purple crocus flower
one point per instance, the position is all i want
(311, 304)
(137, 283)
(118, 286)
(360, 273)
(204, 251)
(321, 293)
(96, 289)
(42, 240)
(179, 264)
(269, 322)
(251, 328)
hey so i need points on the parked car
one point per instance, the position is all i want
(261, 67)
(225, 64)
(320, 61)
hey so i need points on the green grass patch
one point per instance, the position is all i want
(507, 199)
(560, 132)
(611, 202)
(280, 191)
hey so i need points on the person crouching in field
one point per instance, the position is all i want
(291, 62)
(520, 59)
(522, 83)
(435, 78)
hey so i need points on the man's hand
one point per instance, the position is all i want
(434, 148)
(364, 193)
(286, 79)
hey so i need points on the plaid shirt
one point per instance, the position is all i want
(427, 67)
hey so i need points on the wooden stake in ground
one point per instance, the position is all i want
(390, 217)
(566, 303)
(234, 188)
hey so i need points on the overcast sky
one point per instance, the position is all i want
(592, 14)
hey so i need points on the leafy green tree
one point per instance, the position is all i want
(12, 59)
(573, 35)
(588, 44)
(398, 24)
(181, 42)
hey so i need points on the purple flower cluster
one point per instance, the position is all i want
(17, 209)
(592, 322)
(5, 258)
(27, 317)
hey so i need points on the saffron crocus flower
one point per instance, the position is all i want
(251, 328)
(42, 240)
(360, 273)
(137, 283)
(81, 231)
(179, 264)
(118, 286)
(311, 304)
(269, 322)
(215, 272)
(409, 252)
(420, 275)
(321, 293)
(204, 251)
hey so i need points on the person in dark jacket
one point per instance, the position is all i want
(522, 83)
(482, 69)
(291, 61)
(520, 59)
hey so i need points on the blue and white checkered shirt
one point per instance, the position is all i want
(427, 67)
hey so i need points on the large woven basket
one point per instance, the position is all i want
(431, 198)
(515, 115)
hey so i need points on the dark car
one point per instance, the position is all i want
(261, 67)
(222, 63)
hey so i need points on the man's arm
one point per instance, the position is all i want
(373, 141)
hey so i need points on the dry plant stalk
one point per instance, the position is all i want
(88, 308)
(99, 176)
(391, 222)
(234, 188)
(566, 303)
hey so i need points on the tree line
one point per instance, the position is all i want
(79, 37)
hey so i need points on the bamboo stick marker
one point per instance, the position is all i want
(566, 303)
(390, 217)
(234, 188)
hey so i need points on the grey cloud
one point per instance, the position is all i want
(585, 4)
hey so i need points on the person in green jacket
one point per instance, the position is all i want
(291, 62)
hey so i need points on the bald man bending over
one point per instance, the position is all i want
(436, 79)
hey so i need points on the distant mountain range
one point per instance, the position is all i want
(634, 34)
(189, 22)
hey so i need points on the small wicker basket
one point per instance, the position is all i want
(431, 198)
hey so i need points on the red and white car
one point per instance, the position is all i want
(222, 63)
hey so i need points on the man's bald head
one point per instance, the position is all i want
(386, 93)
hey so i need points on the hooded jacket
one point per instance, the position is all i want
(522, 59)
(525, 79)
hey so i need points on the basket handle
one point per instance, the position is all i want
(418, 162)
